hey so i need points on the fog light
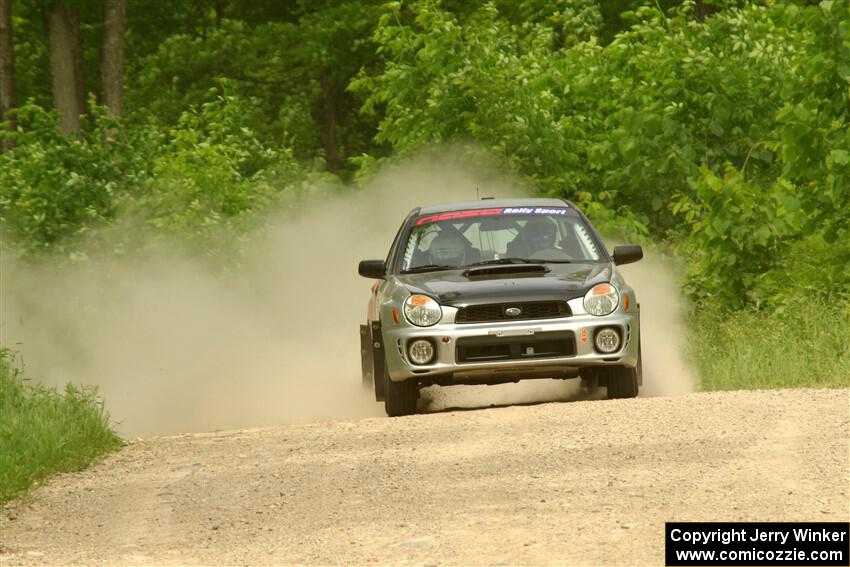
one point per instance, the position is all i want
(607, 340)
(421, 351)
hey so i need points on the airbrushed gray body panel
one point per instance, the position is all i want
(458, 289)
(453, 291)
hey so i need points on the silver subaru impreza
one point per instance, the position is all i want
(496, 291)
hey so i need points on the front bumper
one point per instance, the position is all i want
(447, 365)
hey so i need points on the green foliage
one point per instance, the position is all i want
(186, 68)
(724, 131)
(43, 432)
(211, 170)
(294, 72)
(721, 128)
(443, 81)
(802, 345)
(814, 122)
(208, 174)
(739, 232)
(785, 232)
(570, 21)
(32, 66)
(686, 94)
(488, 80)
(56, 188)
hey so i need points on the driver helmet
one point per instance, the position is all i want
(448, 249)
(540, 233)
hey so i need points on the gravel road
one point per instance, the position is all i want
(579, 483)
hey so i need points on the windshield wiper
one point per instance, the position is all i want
(503, 261)
(428, 268)
(507, 261)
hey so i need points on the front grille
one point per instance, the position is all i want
(497, 311)
(494, 349)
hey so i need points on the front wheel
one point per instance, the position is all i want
(625, 382)
(400, 397)
(622, 382)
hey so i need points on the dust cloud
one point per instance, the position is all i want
(175, 346)
(663, 329)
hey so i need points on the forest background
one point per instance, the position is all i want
(718, 131)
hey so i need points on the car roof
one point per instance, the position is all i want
(493, 203)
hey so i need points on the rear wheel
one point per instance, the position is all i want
(400, 397)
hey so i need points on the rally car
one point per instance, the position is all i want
(496, 291)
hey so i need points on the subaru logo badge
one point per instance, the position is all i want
(513, 311)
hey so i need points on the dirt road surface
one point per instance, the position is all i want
(579, 483)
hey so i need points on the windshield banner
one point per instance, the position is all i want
(550, 211)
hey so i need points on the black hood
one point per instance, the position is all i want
(562, 281)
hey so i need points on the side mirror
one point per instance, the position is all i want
(627, 253)
(375, 269)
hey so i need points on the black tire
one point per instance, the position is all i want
(400, 397)
(625, 382)
(622, 382)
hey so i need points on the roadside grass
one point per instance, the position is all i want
(803, 345)
(43, 431)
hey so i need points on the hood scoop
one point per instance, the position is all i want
(506, 271)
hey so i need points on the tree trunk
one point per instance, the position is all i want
(112, 62)
(703, 10)
(329, 102)
(77, 47)
(64, 67)
(7, 67)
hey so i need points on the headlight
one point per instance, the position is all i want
(422, 311)
(601, 300)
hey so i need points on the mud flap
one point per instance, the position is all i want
(601, 374)
(378, 360)
(640, 352)
(366, 357)
(640, 366)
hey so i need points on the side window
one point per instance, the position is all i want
(408, 252)
(580, 238)
(417, 245)
(391, 255)
(428, 236)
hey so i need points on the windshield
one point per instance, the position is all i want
(500, 235)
